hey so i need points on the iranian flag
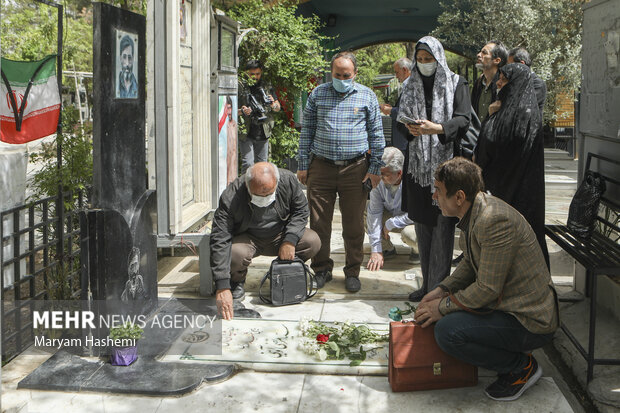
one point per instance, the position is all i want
(30, 102)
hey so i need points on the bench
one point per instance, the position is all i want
(599, 255)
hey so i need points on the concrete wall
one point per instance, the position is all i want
(598, 124)
(178, 108)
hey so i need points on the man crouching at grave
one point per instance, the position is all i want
(499, 304)
(263, 212)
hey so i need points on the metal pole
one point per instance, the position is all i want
(60, 203)
(77, 93)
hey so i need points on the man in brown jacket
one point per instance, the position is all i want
(499, 303)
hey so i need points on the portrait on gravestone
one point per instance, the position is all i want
(227, 140)
(126, 65)
(134, 287)
(182, 25)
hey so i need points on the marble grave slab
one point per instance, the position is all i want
(272, 346)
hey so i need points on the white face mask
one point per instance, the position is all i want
(263, 201)
(427, 69)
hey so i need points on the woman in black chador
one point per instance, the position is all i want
(510, 149)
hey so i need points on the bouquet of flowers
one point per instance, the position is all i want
(337, 341)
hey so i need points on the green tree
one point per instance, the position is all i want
(291, 51)
(549, 29)
(76, 172)
(29, 32)
(375, 60)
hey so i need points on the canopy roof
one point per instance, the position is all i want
(359, 23)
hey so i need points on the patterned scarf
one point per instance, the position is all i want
(426, 152)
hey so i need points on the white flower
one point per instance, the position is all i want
(308, 346)
(304, 325)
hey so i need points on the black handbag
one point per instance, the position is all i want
(584, 206)
(465, 145)
(291, 282)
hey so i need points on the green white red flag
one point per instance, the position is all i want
(30, 101)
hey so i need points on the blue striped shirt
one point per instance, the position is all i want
(340, 126)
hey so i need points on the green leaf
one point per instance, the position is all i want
(354, 363)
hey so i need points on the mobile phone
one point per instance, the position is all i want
(367, 185)
(408, 121)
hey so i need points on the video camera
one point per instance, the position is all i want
(258, 110)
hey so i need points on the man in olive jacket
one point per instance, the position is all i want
(263, 212)
(499, 304)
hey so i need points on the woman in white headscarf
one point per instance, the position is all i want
(436, 108)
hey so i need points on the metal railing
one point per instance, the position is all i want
(38, 261)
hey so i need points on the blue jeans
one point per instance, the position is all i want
(253, 151)
(495, 341)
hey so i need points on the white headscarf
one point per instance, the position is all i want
(426, 152)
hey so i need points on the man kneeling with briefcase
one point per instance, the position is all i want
(499, 304)
(263, 212)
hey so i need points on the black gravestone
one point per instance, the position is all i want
(122, 255)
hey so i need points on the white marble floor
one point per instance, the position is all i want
(251, 391)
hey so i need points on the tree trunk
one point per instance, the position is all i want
(410, 48)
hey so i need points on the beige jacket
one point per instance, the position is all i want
(502, 257)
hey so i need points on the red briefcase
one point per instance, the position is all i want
(417, 362)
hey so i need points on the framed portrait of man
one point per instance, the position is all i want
(126, 73)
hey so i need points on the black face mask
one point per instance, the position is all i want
(256, 85)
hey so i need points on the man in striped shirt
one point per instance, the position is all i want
(341, 126)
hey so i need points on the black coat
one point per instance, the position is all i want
(234, 212)
(477, 91)
(417, 200)
(540, 88)
(399, 130)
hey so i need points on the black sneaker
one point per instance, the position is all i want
(389, 253)
(511, 386)
(414, 258)
(352, 284)
(417, 295)
(237, 290)
(322, 277)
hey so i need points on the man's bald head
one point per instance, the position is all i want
(262, 178)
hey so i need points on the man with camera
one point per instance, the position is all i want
(256, 102)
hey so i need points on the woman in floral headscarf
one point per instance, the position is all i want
(436, 108)
(510, 149)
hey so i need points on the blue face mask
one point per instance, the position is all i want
(342, 86)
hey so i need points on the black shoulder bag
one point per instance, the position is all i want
(291, 282)
(584, 206)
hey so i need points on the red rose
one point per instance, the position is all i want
(322, 338)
